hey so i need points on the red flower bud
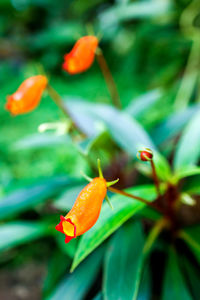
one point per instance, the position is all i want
(145, 155)
(85, 211)
(81, 56)
(28, 95)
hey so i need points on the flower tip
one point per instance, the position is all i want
(68, 239)
(145, 155)
(67, 227)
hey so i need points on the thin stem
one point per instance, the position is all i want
(59, 102)
(135, 197)
(112, 88)
(155, 177)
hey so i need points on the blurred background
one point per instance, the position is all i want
(152, 49)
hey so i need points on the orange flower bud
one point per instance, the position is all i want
(145, 155)
(81, 56)
(28, 95)
(85, 211)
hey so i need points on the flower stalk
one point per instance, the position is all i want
(112, 88)
(59, 102)
(123, 193)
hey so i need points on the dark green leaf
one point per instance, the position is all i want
(174, 286)
(57, 266)
(98, 297)
(123, 262)
(192, 275)
(76, 285)
(17, 233)
(192, 185)
(28, 197)
(191, 236)
(144, 292)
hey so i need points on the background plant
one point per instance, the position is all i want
(152, 49)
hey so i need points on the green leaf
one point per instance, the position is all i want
(110, 220)
(76, 285)
(126, 132)
(40, 140)
(186, 172)
(173, 124)
(57, 266)
(98, 297)
(162, 166)
(123, 262)
(144, 9)
(67, 198)
(140, 105)
(192, 185)
(144, 292)
(149, 213)
(28, 197)
(188, 149)
(174, 286)
(101, 141)
(191, 236)
(192, 275)
(17, 233)
(58, 34)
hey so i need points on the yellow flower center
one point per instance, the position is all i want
(68, 228)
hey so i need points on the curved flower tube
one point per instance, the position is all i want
(81, 56)
(28, 95)
(85, 211)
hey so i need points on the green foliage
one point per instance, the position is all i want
(17, 233)
(120, 278)
(76, 285)
(174, 286)
(145, 248)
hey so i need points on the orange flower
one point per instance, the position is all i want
(85, 211)
(28, 95)
(81, 56)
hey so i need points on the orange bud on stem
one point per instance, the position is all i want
(81, 56)
(85, 211)
(145, 155)
(28, 95)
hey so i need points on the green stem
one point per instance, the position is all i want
(154, 233)
(112, 88)
(59, 102)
